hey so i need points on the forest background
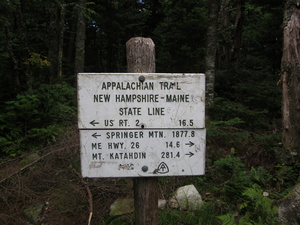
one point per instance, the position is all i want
(44, 44)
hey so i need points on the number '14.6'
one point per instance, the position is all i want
(173, 145)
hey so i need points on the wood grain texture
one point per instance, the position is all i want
(141, 59)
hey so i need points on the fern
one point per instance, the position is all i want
(231, 122)
(227, 219)
(259, 209)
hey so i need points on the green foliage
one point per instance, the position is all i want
(45, 135)
(231, 122)
(256, 209)
(238, 113)
(260, 176)
(127, 219)
(237, 192)
(233, 178)
(227, 131)
(37, 60)
(247, 87)
(259, 208)
(227, 178)
(286, 176)
(36, 118)
(227, 219)
(204, 215)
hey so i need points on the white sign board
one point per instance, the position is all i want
(142, 152)
(123, 101)
(143, 124)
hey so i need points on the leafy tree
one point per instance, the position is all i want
(251, 81)
(180, 36)
(112, 25)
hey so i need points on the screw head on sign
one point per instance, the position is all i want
(145, 168)
(142, 78)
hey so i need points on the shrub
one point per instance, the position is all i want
(36, 117)
(256, 209)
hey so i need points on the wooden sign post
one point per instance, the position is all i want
(141, 59)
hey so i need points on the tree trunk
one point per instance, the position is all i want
(80, 39)
(237, 37)
(56, 35)
(9, 46)
(71, 40)
(290, 67)
(20, 21)
(230, 42)
(61, 30)
(211, 49)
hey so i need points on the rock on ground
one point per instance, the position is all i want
(186, 198)
(289, 208)
(122, 206)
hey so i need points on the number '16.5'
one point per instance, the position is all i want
(186, 123)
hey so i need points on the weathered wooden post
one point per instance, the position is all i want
(141, 59)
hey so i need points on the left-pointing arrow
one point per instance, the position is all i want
(95, 135)
(94, 122)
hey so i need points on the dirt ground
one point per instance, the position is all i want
(48, 182)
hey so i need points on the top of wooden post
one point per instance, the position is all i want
(140, 55)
